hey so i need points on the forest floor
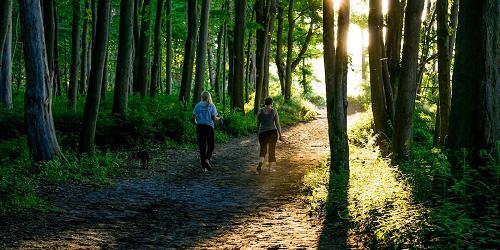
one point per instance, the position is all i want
(175, 205)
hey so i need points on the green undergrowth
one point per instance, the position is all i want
(416, 205)
(152, 123)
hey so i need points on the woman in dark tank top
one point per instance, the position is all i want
(268, 125)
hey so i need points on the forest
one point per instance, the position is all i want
(390, 112)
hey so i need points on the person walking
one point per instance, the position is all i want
(205, 115)
(269, 129)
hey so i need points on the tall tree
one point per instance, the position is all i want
(237, 100)
(443, 68)
(381, 116)
(475, 104)
(262, 17)
(201, 53)
(189, 49)
(155, 69)
(87, 135)
(49, 28)
(143, 73)
(285, 69)
(405, 102)
(6, 69)
(340, 150)
(331, 88)
(124, 60)
(168, 69)
(40, 129)
(5, 16)
(75, 52)
(218, 66)
(393, 41)
(85, 46)
(136, 55)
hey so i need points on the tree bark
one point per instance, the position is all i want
(168, 69)
(49, 28)
(378, 100)
(405, 103)
(453, 25)
(330, 83)
(124, 60)
(218, 66)
(239, 56)
(340, 150)
(155, 69)
(263, 9)
(75, 58)
(143, 74)
(135, 55)
(201, 53)
(393, 42)
(84, 65)
(475, 104)
(5, 16)
(224, 62)
(288, 65)
(280, 65)
(6, 69)
(87, 135)
(443, 68)
(189, 49)
(40, 129)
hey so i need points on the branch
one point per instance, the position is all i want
(303, 50)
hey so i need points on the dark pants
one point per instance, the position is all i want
(206, 138)
(268, 138)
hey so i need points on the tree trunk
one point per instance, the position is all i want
(330, 83)
(475, 104)
(189, 49)
(288, 66)
(443, 68)
(143, 73)
(6, 69)
(57, 72)
(83, 71)
(40, 129)
(453, 25)
(104, 85)
(339, 143)
(210, 65)
(75, 58)
(50, 38)
(378, 100)
(155, 69)
(224, 60)
(280, 65)
(267, 59)
(263, 9)
(168, 69)
(124, 60)
(87, 135)
(136, 55)
(393, 42)
(239, 55)
(218, 66)
(5, 16)
(247, 65)
(201, 53)
(405, 103)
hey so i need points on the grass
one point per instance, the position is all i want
(152, 123)
(414, 205)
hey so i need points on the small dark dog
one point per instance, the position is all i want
(143, 157)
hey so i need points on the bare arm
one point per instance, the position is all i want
(278, 127)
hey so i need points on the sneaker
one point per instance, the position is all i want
(259, 167)
(204, 170)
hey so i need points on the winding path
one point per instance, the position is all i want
(175, 205)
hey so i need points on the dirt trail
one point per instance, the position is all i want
(175, 205)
